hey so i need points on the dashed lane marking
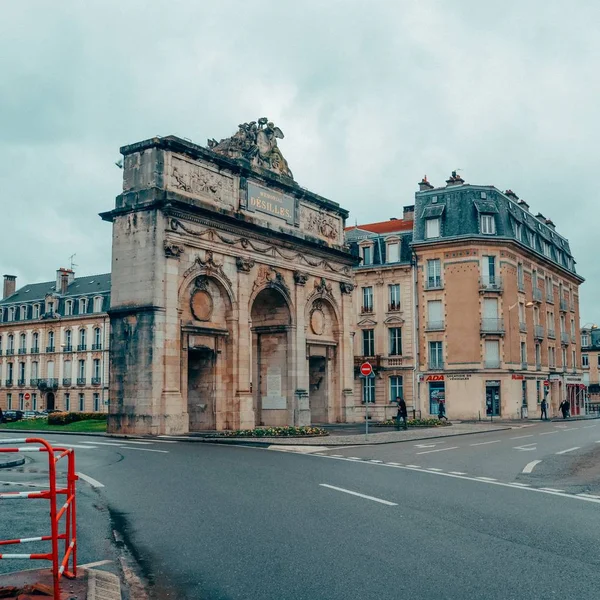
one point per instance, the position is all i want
(588, 426)
(549, 432)
(520, 484)
(339, 489)
(529, 467)
(438, 450)
(93, 482)
(588, 496)
(520, 437)
(457, 473)
(551, 489)
(568, 450)
(413, 466)
(486, 478)
(395, 464)
(433, 469)
(373, 460)
(485, 443)
(570, 428)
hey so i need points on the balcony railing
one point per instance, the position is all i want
(392, 361)
(22, 350)
(573, 338)
(524, 365)
(99, 346)
(66, 381)
(538, 332)
(537, 294)
(521, 285)
(538, 366)
(68, 348)
(35, 350)
(492, 325)
(81, 381)
(564, 338)
(435, 325)
(491, 363)
(10, 351)
(21, 382)
(436, 365)
(490, 283)
(563, 305)
(373, 359)
(49, 348)
(81, 347)
(96, 380)
(48, 383)
(33, 381)
(9, 383)
(551, 334)
(522, 326)
(433, 283)
(550, 297)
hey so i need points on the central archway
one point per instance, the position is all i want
(271, 324)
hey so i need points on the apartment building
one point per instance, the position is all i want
(54, 340)
(590, 363)
(383, 305)
(497, 305)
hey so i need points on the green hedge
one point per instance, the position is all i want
(275, 432)
(64, 418)
(414, 423)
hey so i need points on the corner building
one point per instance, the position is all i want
(497, 305)
(231, 300)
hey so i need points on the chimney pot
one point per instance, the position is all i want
(524, 205)
(455, 179)
(10, 286)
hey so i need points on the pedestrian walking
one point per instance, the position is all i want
(442, 410)
(544, 408)
(402, 414)
(564, 408)
(1, 416)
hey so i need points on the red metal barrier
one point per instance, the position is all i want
(68, 510)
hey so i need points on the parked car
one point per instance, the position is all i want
(12, 415)
(31, 414)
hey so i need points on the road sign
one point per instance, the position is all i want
(27, 396)
(366, 369)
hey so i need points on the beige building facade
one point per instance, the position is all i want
(231, 301)
(590, 363)
(54, 339)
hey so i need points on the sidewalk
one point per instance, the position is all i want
(8, 460)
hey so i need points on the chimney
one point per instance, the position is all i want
(455, 179)
(424, 185)
(524, 205)
(409, 213)
(393, 219)
(551, 224)
(511, 195)
(540, 217)
(10, 286)
(64, 278)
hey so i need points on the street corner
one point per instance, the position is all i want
(10, 460)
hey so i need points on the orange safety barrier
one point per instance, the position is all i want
(67, 510)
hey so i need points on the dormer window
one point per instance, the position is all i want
(82, 306)
(98, 304)
(367, 255)
(68, 308)
(11, 314)
(488, 224)
(519, 231)
(546, 248)
(36, 311)
(432, 228)
(23, 313)
(393, 251)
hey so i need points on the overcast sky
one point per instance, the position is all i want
(371, 95)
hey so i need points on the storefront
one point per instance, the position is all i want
(492, 398)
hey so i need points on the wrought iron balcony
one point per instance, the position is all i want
(96, 380)
(564, 338)
(68, 348)
(51, 383)
(81, 347)
(392, 306)
(9, 383)
(22, 350)
(66, 381)
(490, 283)
(550, 297)
(435, 326)
(50, 348)
(81, 381)
(35, 350)
(96, 346)
(537, 294)
(492, 325)
(33, 382)
(10, 351)
(551, 334)
(538, 332)
(522, 326)
(21, 382)
(433, 283)
(563, 305)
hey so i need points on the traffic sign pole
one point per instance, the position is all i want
(366, 371)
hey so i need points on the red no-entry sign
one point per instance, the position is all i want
(27, 396)
(366, 369)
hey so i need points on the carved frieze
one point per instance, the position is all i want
(346, 288)
(322, 287)
(194, 179)
(244, 264)
(300, 278)
(320, 223)
(269, 277)
(173, 250)
(209, 266)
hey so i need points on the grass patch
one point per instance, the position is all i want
(274, 432)
(42, 425)
(415, 423)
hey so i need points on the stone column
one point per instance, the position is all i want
(242, 353)
(346, 354)
(301, 380)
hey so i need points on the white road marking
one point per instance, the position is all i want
(560, 426)
(339, 489)
(76, 446)
(520, 484)
(336, 455)
(588, 426)
(425, 445)
(154, 441)
(98, 563)
(588, 496)
(568, 450)
(520, 437)
(525, 448)
(145, 449)
(549, 432)
(297, 449)
(395, 464)
(529, 467)
(486, 478)
(570, 428)
(552, 490)
(413, 466)
(136, 442)
(484, 443)
(438, 450)
(93, 482)
(25, 484)
(517, 486)
(434, 469)
(457, 473)
(103, 444)
(375, 461)
(353, 458)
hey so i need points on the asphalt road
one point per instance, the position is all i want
(225, 522)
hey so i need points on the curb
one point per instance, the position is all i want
(54, 432)
(103, 585)
(17, 461)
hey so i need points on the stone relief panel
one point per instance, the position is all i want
(321, 224)
(195, 179)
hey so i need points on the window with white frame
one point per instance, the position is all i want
(519, 231)
(520, 278)
(574, 359)
(585, 360)
(393, 252)
(81, 402)
(432, 228)
(67, 370)
(396, 388)
(394, 296)
(11, 344)
(96, 368)
(34, 401)
(81, 372)
(21, 372)
(22, 343)
(9, 371)
(69, 339)
(434, 273)
(435, 315)
(82, 339)
(51, 340)
(585, 339)
(367, 305)
(436, 357)
(35, 342)
(83, 306)
(98, 304)
(50, 306)
(523, 353)
(35, 370)
(395, 335)
(9, 401)
(487, 224)
(68, 308)
(538, 356)
(552, 356)
(492, 354)
(21, 401)
(368, 390)
(11, 314)
(368, 342)
(23, 313)
(35, 311)
(97, 338)
(564, 358)
(367, 255)
(96, 402)
(67, 401)
(546, 248)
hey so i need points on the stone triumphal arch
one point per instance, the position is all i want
(231, 302)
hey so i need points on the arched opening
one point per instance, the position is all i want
(50, 401)
(271, 376)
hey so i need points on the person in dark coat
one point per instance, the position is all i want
(544, 409)
(402, 414)
(564, 407)
(442, 410)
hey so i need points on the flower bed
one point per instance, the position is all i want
(275, 432)
(64, 418)
(414, 423)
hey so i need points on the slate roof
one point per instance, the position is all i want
(391, 226)
(460, 207)
(377, 233)
(81, 286)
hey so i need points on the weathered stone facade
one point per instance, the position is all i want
(231, 304)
